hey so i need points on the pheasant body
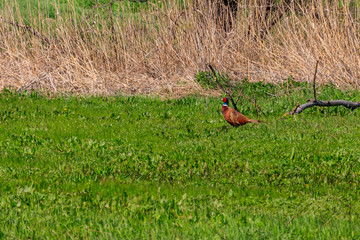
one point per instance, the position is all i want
(234, 117)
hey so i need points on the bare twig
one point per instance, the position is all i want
(257, 107)
(138, 1)
(96, 231)
(216, 79)
(314, 79)
(229, 95)
(302, 210)
(293, 111)
(329, 219)
(113, 1)
(52, 82)
(28, 28)
(31, 83)
(238, 98)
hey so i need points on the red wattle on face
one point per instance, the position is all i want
(224, 99)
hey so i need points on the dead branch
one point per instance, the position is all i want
(253, 101)
(293, 111)
(257, 107)
(228, 94)
(330, 103)
(113, 1)
(301, 211)
(310, 103)
(314, 83)
(28, 28)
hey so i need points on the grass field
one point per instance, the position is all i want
(137, 167)
(140, 168)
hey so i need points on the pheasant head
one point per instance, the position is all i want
(226, 101)
(225, 105)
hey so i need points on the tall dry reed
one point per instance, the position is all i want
(158, 50)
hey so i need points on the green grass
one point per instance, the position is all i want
(48, 8)
(139, 167)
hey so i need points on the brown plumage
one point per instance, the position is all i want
(234, 117)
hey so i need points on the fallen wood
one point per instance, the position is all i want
(299, 108)
(310, 103)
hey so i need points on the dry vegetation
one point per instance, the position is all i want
(158, 50)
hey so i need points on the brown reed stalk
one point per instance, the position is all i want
(159, 49)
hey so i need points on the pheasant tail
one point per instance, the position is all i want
(255, 121)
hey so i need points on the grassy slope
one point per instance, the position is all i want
(132, 167)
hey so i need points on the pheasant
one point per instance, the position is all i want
(234, 117)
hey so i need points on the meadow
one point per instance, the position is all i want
(110, 130)
(133, 167)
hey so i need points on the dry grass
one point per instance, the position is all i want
(159, 50)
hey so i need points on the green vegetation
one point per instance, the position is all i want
(139, 168)
(31, 8)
